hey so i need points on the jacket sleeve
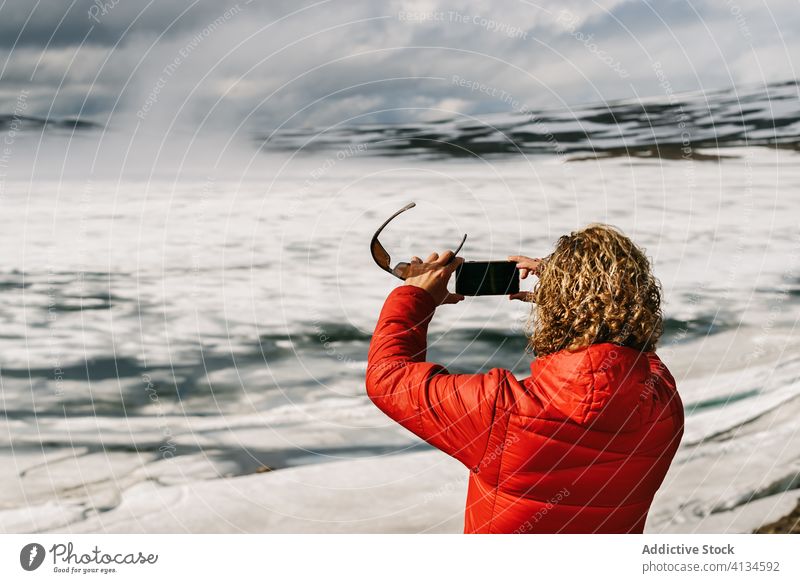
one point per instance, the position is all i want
(452, 412)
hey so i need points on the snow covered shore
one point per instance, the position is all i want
(736, 470)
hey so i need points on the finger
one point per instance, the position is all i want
(446, 271)
(453, 299)
(523, 273)
(416, 259)
(445, 257)
(524, 259)
(454, 264)
(432, 257)
(521, 261)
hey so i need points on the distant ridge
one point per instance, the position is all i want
(665, 126)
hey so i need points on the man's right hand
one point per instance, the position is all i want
(526, 265)
(433, 276)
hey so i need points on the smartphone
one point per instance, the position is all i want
(487, 278)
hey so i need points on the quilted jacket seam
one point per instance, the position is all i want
(499, 473)
(491, 428)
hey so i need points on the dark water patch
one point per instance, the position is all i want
(493, 337)
(24, 122)
(677, 330)
(139, 384)
(313, 335)
(786, 483)
(68, 291)
(462, 350)
(92, 369)
(718, 402)
(72, 407)
(13, 283)
(791, 289)
(251, 461)
(82, 304)
(342, 332)
(64, 277)
(202, 380)
(480, 350)
(659, 151)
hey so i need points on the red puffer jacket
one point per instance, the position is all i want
(580, 446)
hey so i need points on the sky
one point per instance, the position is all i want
(283, 64)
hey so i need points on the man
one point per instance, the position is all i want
(580, 446)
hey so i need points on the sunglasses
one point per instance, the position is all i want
(382, 257)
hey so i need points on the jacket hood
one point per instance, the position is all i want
(602, 385)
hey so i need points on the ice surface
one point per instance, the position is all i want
(184, 357)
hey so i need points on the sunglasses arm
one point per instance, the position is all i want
(400, 270)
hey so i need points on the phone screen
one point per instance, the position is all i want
(487, 278)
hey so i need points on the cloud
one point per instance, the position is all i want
(98, 22)
(261, 65)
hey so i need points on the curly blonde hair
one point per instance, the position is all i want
(596, 286)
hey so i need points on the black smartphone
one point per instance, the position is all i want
(487, 278)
